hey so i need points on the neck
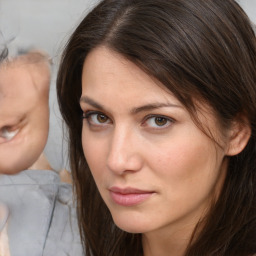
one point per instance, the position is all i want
(41, 164)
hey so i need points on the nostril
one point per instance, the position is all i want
(121, 163)
(123, 154)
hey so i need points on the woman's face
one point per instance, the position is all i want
(154, 168)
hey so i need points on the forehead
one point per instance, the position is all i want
(107, 75)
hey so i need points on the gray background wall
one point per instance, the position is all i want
(47, 24)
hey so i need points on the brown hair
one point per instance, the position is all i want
(198, 49)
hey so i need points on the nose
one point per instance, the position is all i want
(124, 153)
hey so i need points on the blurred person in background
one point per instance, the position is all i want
(37, 215)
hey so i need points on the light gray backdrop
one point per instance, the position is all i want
(47, 24)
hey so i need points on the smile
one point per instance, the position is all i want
(129, 196)
(8, 135)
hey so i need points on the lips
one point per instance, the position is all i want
(129, 196)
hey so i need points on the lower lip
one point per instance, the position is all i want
(129, 199)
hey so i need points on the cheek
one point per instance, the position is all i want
(20, 153)
(185, 162)
(94, 152)
(37, 130)
(187, 176)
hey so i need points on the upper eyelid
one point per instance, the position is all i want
(87, 114)
(90, 112)
(171, 120)
(159, 115)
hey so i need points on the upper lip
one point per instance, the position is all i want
(129, 190)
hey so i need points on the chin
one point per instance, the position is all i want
(131, 225)
(16, 166)
(130, 229)
(10, 170)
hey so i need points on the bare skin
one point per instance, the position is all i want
(24, 111)
(4, 242)
(24, 114)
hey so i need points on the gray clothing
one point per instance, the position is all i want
(42, 219)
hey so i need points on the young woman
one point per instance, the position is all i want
(160, 102)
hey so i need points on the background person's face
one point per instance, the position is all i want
(24, 117)
(154, 168)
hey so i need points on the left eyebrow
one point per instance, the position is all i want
(153, 106)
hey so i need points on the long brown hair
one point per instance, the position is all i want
(198, 49)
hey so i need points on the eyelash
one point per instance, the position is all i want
(88, 115)
(168, 120)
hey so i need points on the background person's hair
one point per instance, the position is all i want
(3, 48)
(200, 50)
(3, 54)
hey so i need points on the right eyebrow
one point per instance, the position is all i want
(85, 99)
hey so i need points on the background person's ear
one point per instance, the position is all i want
(240, 134)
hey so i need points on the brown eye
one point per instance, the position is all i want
(96, 118)
(102, 118)
(160, 121)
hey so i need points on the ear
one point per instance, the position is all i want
(239, 136)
